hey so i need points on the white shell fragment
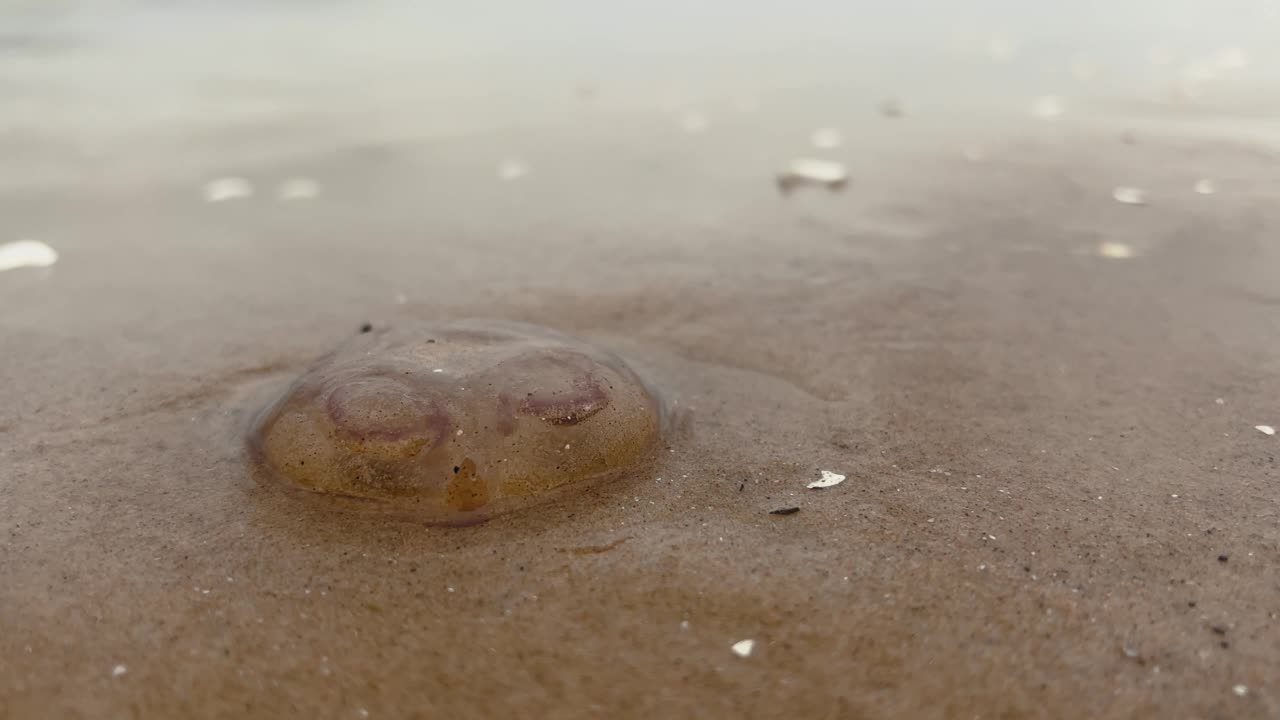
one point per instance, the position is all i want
(694, 122)
(1047, 107)
(298, 188)
(827, 138)
(228, 188)
(512, 170)
(26, 253)
(743, 648)
(1161, 56)
(1206, 187)
(1129, 196)
(1084, 70)
(827, 480)
(1000, 48)
(1116, 250)
(1231, 58)
(119, 670)
(1265, 429)
(811, 171)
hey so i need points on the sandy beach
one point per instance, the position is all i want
(1045, 394)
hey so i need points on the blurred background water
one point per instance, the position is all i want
(122, 90)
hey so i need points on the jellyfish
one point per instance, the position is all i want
(459, 422)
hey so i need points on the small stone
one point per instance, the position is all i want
(1240, 690)
(1206, 187)
(891, 109)
(1265, 429)
(119, 670)
(743, 648)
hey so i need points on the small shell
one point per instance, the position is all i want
(811, 171)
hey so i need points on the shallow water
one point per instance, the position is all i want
(120, 91)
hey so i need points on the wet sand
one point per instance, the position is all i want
(1044, 400)
(1057, 504)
